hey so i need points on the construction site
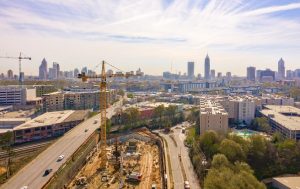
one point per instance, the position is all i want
(133, 161)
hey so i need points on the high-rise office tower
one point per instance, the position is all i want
(191, 70)
(289, 74)
(251, 73)
(207, 68)
(281, 69)
(84, 70)
(228, 75)
(219, 75)
(43, 70)
(76, 72)
(22, 77)
(212, 74)
(10, 74)
(52, 73)
(57, 68)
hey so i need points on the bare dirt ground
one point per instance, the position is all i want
(2, 170)
(144, 161)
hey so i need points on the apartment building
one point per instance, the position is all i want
(53, 102)
(50, 124)
(283, 119)
(212, 116)
(75, 100)
(272, 99)
(240, 109)
(44, 89)
(82, 100)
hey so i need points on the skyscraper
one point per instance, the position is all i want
(43, 70)
(228, 75)
(76, 72)
(281, 69)
(212, 74)
(10, 74)
(22, 77)
(251, 73)
(57, 68)
(289, 74)
(207, 68)
(219, 75)
(191, 70)
(84, 70)
(267, 75)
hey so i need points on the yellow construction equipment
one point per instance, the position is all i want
(103, 90)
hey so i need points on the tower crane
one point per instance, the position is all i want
(20, 60)
(103, 88)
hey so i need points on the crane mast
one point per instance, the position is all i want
(20, 58)
(103, 107)
(103, 102)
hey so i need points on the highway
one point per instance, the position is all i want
(174, 150)
(32, 174)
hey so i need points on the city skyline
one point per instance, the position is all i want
(152, 35)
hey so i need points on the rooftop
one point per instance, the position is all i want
(211, 107)
(48, 118)
(290, 182)
(287, 116)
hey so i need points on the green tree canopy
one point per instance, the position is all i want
(224, 175)
(232, 150)
(209, 143)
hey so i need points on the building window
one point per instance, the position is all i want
(27, 131)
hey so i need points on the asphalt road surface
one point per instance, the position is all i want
(32, 174)
(174, 152)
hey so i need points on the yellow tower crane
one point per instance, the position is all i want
(103, 89)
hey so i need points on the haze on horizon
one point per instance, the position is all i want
(151, 34)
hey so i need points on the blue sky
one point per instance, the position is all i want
(151, 34)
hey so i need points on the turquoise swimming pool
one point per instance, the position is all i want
(245, 133)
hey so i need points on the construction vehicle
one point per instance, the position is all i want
(103, 89)
(20, 58)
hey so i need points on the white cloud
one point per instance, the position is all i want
(221, 27)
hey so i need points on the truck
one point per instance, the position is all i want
(134, 177)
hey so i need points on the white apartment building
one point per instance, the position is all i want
(212, 116)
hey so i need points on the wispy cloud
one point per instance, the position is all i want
(236, 25)
(273, 9)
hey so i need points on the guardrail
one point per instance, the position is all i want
(73, 164)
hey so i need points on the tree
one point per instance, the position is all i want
(225, 175)
(159, 112)
(129, 95)
(261, 124)
(121, 92)
(170, 112)
(209, 143)
(6, 142)
(133, 115)
(232, 150)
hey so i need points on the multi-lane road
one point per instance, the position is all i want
(32, 174)
(178, 151)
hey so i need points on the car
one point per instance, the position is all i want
(186, 185)
(24, 187)
(47, 172)
(61, 157)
